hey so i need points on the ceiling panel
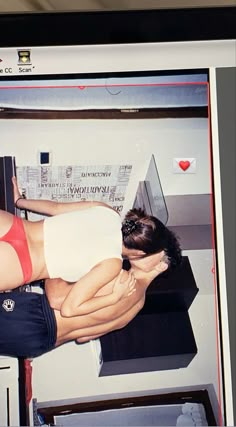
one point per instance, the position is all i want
(70, 5)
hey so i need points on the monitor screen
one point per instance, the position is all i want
(124, 108)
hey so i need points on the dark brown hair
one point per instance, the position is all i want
(148, 234)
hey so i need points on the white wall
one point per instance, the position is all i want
(70, 371)
(113, 142)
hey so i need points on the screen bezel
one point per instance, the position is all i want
(138, 26)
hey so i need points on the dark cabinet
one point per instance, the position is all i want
(161, 336)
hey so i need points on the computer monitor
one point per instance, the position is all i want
(134, 108)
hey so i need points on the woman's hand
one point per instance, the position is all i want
(124, 285)
(150, 275)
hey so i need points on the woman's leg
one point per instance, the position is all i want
(11, 275)
(6, 220)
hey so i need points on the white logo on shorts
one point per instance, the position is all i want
(8, 304)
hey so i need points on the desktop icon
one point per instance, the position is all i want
(24, 57)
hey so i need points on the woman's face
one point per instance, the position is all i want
(147, 263)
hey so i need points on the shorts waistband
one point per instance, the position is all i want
(51, 322)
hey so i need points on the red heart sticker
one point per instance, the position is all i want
(184, 164)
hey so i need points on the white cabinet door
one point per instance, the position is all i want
(9, 392)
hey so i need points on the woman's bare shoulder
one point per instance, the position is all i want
(113, 264)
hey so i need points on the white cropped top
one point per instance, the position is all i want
(76, 241)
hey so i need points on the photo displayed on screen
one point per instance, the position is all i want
(143, 141)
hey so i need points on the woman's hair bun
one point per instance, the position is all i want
(128, 227)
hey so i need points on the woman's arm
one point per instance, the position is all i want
(120, 315)
(56, 291)
(49, 207)
(82, 300)
(93, 332)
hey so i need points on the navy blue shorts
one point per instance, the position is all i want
(27, 324)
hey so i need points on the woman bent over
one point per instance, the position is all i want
(82, 243)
